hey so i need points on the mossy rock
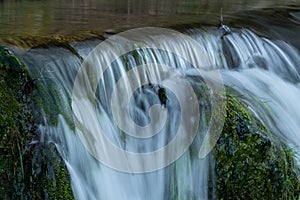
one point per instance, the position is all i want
(13, 118)
(27, 171)
(51, 179)
(251, 163)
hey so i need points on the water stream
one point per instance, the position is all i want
(264, 71)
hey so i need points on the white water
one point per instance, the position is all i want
(267, 74)
(260, 69)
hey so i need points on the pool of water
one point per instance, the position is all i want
(52, 17)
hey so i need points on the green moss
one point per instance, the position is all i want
(26, 171)
(63, 189)
(57, 184)
(250, 162)
(12, 122)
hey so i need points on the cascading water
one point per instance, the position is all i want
(265, 72)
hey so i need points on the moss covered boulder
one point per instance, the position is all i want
(29, 169)
(251, 163)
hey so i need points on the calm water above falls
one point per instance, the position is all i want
(51, 17)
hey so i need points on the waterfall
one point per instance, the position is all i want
(265, 72)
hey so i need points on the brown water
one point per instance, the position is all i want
(52, 17)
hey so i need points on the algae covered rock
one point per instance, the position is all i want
(28, 170)
(15, 132)
(251, 163)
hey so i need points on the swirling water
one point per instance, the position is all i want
(264, 71)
